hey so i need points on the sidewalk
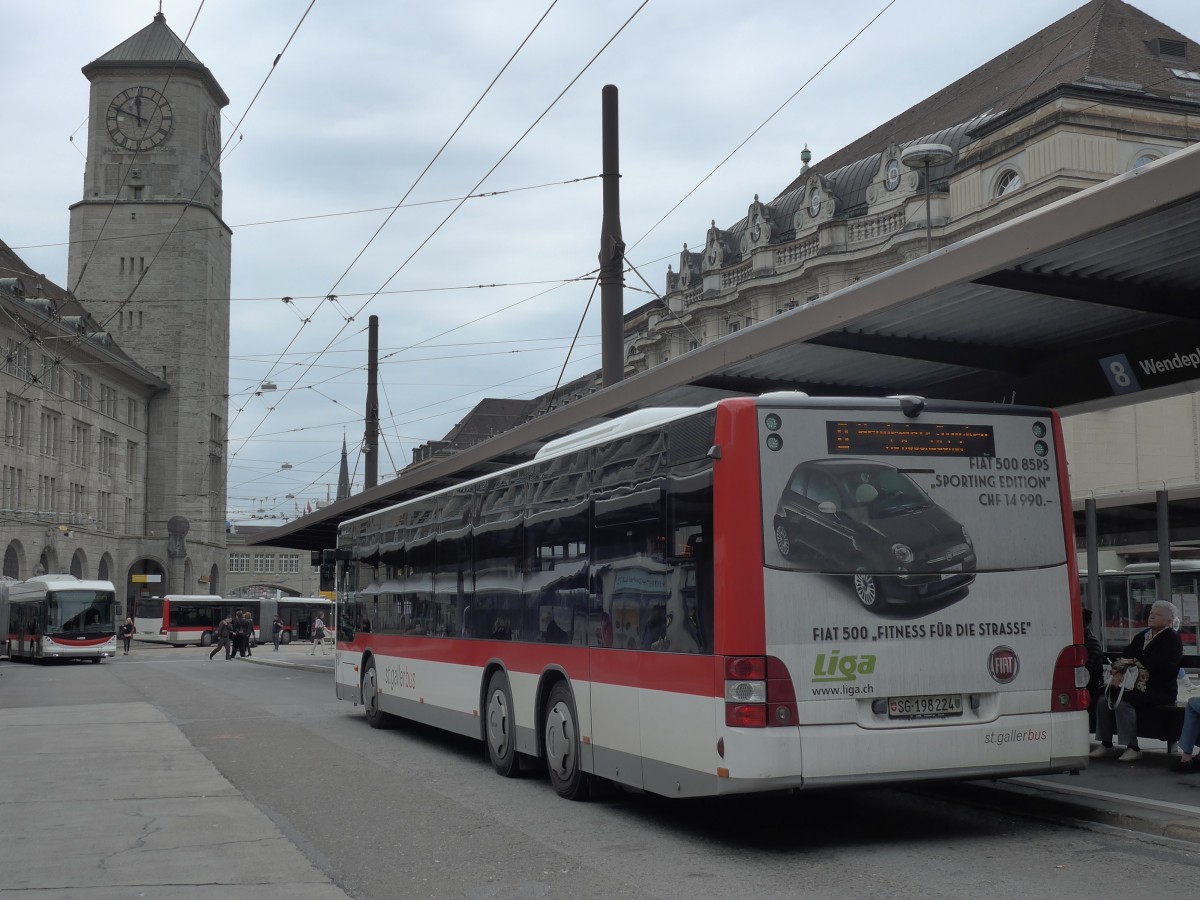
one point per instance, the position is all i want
(155, 819)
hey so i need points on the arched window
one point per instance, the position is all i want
(1008, 183)
(1144, 159)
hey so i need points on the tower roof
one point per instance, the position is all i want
(156, 47)
(1104, 45)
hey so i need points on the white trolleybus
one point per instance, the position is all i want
(761, 594)
(180, 619)
(59, 617)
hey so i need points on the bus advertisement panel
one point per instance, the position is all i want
(59, 617)
(761, 594)
(919, 587)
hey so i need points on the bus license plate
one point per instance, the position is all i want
(925, 706)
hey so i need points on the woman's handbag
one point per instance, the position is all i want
(1133, 677)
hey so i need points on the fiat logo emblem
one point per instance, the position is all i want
(1003, 664)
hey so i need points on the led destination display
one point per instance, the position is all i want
(909, 439)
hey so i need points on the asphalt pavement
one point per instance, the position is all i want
(124, 832)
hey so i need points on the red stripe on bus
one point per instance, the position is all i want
(681, 673)
(72, 642)
(737, 532)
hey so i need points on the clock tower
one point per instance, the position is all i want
(150, 260)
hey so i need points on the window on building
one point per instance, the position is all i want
(264, 563)
(108, 400)
(133, 412)
(47, 500)
(1008, 183)
(78, 503)
(81, 388)
(239, 562)
(131, 460)
(1144, 159)
(12, 487)
(104, 510)
(16, 414)
(289, 563)
(81, 447)
(107, 452)
(51, 434)
(129, 520)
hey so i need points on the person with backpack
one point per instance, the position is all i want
(276, 631)
(224, 638)
(318, 632)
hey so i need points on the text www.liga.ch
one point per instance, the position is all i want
(843, 690)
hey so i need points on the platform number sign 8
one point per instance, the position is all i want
(1119, 372)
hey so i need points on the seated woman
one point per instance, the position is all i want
(1160, 650)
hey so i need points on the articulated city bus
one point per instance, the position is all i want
(179, 619)
(59, 617)
(760, 594)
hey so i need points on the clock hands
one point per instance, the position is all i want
(137, 115)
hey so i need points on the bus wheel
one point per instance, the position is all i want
(376, 717)
(868, 589)
(206, 639)
(501, 725)
(285, 638)
(783, 540)
(561, 734)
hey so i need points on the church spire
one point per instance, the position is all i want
(344, 475)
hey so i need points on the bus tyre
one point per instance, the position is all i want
(206, 639)
(501, 725)
(560, 733)
(285, 638)
(376, 717)
(868, 589)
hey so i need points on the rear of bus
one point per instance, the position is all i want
(920, 600)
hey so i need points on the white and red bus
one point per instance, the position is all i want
(180, 619)
(59, 617)
(761, 594)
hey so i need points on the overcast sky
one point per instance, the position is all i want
(361, 100)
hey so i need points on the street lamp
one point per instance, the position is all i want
(924, 156)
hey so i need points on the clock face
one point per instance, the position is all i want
(814, 202)
(139, 119)
(892, 175)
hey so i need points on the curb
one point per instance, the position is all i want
(1044, 802)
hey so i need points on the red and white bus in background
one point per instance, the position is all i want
(179, 619)
(760, 594)
(59, 617)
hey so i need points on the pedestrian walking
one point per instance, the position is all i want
(247, 633)
(276, 632)
(224, 638)
(318, 636)
(127, 634)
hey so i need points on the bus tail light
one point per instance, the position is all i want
(758, 693)
(162, 631)
(1068, 691)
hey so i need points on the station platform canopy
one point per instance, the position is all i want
(1087, 303)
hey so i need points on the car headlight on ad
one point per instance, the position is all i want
(903, 553)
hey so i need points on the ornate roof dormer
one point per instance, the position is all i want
(718, 248)
(760, 226)
(689, 274)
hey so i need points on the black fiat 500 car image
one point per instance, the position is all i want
(870, 520)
